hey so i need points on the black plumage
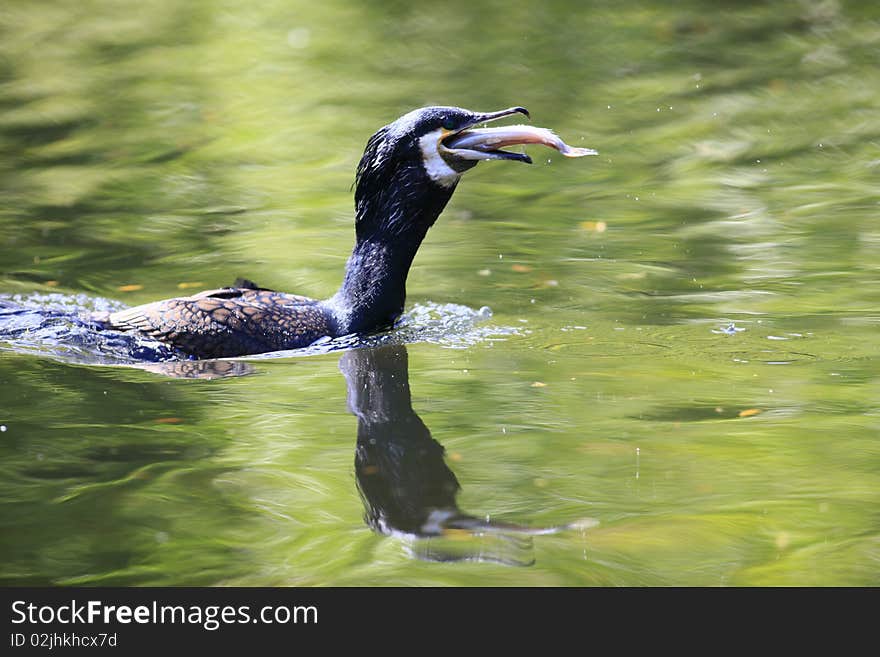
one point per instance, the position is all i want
(408, 173)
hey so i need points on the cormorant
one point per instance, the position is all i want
(407, 174)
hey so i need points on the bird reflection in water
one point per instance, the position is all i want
(407, 489)
(198, 369)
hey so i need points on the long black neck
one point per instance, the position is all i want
(391, 222)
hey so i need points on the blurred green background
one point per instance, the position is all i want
(149, 148)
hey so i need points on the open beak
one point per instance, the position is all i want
(472, 143)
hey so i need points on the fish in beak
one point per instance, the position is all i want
(474, 143)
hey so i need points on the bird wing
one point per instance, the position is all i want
(228, 321)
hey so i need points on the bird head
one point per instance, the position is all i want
(421, 142)
(410, 167)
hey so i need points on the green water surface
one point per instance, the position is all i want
(685, 347)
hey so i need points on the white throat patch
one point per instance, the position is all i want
(437, 168)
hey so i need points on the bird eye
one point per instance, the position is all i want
(449, 123)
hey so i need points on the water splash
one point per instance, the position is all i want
(446, 324)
